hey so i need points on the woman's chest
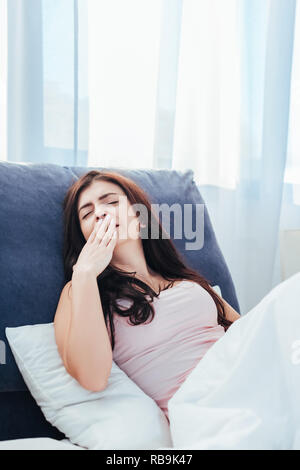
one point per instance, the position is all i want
(179, 315)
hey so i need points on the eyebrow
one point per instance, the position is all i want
(99, 199)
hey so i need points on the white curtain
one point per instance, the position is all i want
(46, 89)
(292, 173)
(208, 107)
(124, 42)
(210, 85)
(233, 118)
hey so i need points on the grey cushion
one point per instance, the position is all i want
(31, 240)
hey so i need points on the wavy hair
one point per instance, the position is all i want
(160, 253)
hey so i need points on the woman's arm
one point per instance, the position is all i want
(81, 334)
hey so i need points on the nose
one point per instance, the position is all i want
(101, 213)
(102, 216)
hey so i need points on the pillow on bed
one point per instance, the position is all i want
(120, 417)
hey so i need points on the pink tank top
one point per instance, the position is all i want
(158, 356)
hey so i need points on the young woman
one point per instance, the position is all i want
(129, 297)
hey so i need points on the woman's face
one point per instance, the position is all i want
(103, 198)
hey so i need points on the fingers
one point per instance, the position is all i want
(93, 233)
(103, 231)
(109, 233)
(99, 230)
(113, 240)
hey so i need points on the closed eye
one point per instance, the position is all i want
(113, 202)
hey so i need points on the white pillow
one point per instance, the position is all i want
(120, 417)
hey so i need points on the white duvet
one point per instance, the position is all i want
(245, 392)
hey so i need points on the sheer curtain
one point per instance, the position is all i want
(123, 70)
(47, 97)
(92, 81)
(133, 53)
(210, 85)
(232, 122)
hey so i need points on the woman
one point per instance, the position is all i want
(128, 297)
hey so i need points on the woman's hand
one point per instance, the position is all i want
(98, 250)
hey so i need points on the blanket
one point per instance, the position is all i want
(245, 392)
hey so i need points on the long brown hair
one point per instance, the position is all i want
(161, 256)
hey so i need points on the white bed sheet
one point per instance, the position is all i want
(244, 393)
